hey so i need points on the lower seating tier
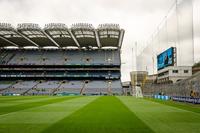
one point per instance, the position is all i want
(61, 87)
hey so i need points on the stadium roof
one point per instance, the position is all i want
(80, 35)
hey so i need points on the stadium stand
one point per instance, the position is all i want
(58, 60)
(116, 87)
(19, 87)
(44, 57)
(186, 90)
(96, 88)
(69, 87)
(5, 84)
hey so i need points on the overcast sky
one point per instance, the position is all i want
(139, 18)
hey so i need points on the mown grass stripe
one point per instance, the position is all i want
(162, 118)
(104, 115)
(34, 120)
(22, 101)
(17, 98)
(185, 106)
(34, 103)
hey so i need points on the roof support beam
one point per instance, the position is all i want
(27, 38)
(73, 37)
(51, 39)
(121, 36)
(97, 38)
(8, 41)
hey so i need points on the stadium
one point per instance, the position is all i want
(80, 60)
(60, 79)
(82, 77)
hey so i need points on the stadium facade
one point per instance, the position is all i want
(57, 60)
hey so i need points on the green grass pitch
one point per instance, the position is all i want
(96, 114)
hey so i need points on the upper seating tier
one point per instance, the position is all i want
(59, 57)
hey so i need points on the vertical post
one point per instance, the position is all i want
(193, 31)
(178, 41)
(136, 56)
(109, 88)
(132, 60)
(153, 64)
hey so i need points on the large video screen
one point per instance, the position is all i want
(165, 59)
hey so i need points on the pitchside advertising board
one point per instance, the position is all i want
(166, 58)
